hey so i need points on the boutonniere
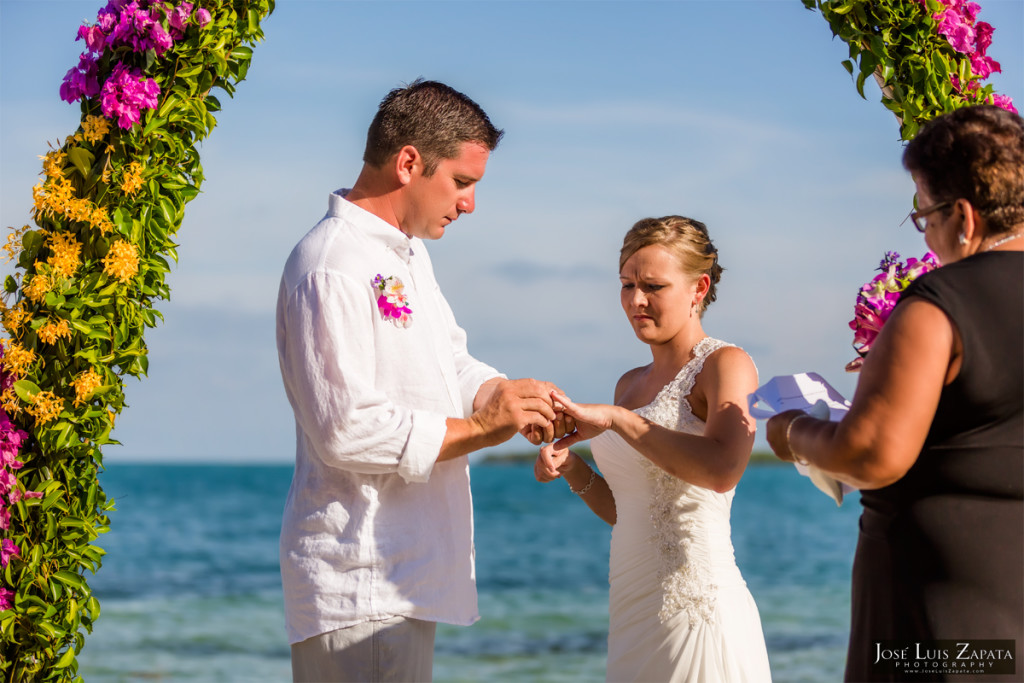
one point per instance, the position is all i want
(392, 300)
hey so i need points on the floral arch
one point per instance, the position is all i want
(92, 267)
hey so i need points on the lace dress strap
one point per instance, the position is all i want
(688, 374)
(671, 407)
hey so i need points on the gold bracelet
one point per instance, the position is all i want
(593, 476)
(789, 430)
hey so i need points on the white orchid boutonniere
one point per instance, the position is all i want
(392, 300)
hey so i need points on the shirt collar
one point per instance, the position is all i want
(374, 226)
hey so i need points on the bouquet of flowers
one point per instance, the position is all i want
(877, 299)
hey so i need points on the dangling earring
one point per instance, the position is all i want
(962, 239)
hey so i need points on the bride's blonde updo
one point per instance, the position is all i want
(686, 238)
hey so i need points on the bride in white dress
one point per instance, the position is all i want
(672, 449)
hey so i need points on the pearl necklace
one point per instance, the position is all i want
(1006, 239)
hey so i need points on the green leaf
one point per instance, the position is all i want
(190, 71)
(26, 390)
(153, 124)
(860, 83)
(70, 579)
(48, 628)
(55, 300)
(910, 128)
(31, 242)
(877, 48)
(122, 220)
(93, 605)
(80, 326)
(888, 73)
(64, 434)
(189, 193)
(51, 499)
(135, 236)
(941, 66)
(65, 659)
(82, 159)
(169, 104)
(205, 82)
(168, 210)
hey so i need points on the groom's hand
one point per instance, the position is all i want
(562, 425)
(520, 405)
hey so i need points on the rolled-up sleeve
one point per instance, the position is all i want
(327, 353)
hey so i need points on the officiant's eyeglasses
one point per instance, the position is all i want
(917, 217)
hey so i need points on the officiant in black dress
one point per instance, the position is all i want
(935, 435)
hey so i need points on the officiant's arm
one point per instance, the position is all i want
(879, 440)
(715, 460)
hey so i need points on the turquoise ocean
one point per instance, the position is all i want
(190, 589)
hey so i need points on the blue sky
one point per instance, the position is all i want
(735, 113)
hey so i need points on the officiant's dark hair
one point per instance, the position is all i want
(975, 153)
(686, 238)
(432, 117)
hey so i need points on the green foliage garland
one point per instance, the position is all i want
(91, 270)
(927, 56)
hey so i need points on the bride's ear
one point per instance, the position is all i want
(703, 284)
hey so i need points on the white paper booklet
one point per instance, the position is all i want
(809, 392)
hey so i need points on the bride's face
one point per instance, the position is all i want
(656, 294)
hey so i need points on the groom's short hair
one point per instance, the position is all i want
(432, 117)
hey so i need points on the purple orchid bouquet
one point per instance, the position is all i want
(878, 297)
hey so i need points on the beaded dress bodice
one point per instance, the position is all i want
(681, 529)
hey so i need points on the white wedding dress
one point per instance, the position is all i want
(679, 608)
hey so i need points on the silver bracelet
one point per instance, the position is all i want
(593, 476)
(789, 429)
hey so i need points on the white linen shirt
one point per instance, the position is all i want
(373, 526)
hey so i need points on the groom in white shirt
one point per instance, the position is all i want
(377, 536)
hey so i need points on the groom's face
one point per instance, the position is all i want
(435, 201)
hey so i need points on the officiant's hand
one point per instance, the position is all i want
(777, 433)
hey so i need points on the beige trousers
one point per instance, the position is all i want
(393, 650)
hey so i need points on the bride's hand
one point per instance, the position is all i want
(591, 419)
(551, 463)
